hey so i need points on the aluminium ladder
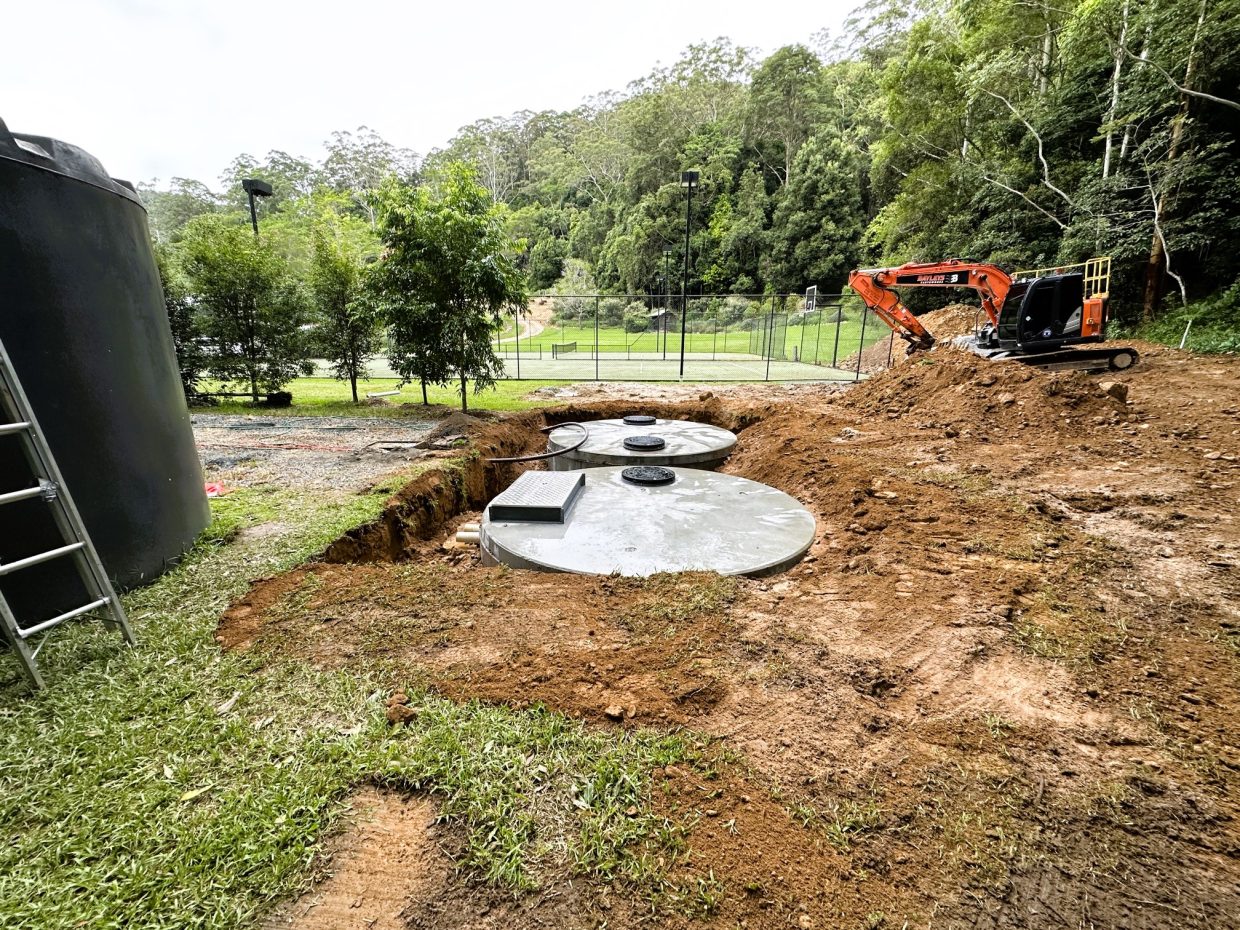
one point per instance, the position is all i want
(19, 420)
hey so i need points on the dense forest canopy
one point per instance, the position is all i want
(1026, 132)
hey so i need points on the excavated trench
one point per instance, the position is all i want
(424, 508)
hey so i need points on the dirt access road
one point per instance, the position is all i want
(1002, 690)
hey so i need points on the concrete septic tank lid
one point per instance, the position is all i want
(615, 442)
(701, 521)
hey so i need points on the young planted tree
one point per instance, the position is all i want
(446, 277)
(251, 309)
(186, 333)
(348, 331)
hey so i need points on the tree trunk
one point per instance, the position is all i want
(1047, 51)
(464, 395)
(1145, 53)
(1156, 268)
(353, 366)
(253, 387)
(1114, 107)
(425, 401)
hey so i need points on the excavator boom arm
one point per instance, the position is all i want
(876, 286)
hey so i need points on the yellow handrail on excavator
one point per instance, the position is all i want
(1096, 271)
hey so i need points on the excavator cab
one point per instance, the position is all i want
(1043, 313)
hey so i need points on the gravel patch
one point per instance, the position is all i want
(340, 453)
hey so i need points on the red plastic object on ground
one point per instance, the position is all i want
(214, 489)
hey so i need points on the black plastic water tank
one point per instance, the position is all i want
(84, 323)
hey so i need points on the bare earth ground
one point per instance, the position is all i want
(1000, 692)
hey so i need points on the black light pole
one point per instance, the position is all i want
(688, 179)
(667, 296)
(255, 188)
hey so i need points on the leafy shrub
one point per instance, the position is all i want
(1215, 324)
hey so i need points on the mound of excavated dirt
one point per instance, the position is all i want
(945, 324)
(1002, 683)
(963, 394)
(951, 321)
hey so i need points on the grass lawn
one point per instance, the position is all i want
(808, 340)
(172, 785)
(329, 397)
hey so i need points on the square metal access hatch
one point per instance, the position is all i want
(538, 497)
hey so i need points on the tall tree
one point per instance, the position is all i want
(447, 272)
(187, 335)
(169, 210)
(359, 164)
(816, 229)
(348, 329)
(252, 309)
(784, 103)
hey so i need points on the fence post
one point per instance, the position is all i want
(516, 322)
(595, 337)
(818, 336)
(804, 327)
(770, 338)
(662, 324)
(835, 350)
(861, 344)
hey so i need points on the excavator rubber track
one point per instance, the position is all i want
(1111, 358)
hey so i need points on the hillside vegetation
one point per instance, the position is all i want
(1026, 133)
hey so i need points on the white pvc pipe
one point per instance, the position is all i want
(465, 536)
(468, 527)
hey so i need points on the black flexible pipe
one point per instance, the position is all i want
(585, 434)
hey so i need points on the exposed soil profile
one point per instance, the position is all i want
(1001, 690)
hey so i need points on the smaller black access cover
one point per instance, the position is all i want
(639, 419)
(644, 443)
(648, 475)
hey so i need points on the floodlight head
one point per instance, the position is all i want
(667, 252)
(256, 188)
(689, 178)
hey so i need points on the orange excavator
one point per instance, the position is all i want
(1042, 318)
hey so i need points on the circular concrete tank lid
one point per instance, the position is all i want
(684, 442)
(701, 521)
(644, 443)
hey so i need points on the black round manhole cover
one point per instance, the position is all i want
(639, 419)
(644, 443)
(648, 474)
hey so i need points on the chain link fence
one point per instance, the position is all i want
(738, 337)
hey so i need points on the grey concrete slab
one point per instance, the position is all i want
(685, 443)
(702, 521)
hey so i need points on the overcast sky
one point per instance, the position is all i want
(164, 88)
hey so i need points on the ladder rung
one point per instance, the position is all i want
(14, 496)
(6, 428)
(67, 615)
(41, 557)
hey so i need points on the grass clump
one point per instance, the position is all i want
(535, 791)
(324, 397)
(174, 785)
